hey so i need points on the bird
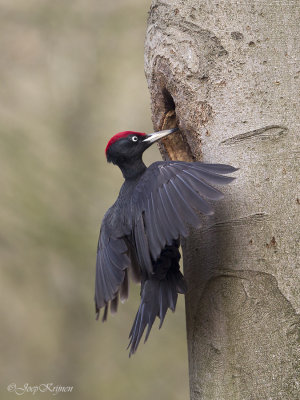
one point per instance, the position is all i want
(140, 233)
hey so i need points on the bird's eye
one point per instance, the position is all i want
(134, 138)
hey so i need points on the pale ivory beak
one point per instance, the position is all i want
(153, 137)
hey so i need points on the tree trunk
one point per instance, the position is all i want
(229, 71)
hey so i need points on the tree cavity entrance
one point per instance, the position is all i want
(175, 146)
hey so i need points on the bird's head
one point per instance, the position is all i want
(127, 147)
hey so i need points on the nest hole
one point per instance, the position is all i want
(168, 101)
(174, 147)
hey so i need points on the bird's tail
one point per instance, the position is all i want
(158, 293)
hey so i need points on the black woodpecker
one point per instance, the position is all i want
(140, 233)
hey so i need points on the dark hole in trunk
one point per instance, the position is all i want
(168, 101)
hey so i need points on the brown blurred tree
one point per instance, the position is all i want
(229, 70)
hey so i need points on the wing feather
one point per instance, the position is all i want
(156, 220)
(211, 177)
(141, 242)
(170, 223)
(196, 201)
(217, 168)
(169, 194)
(175, 213)
(152, 220)
(182, 201)
(111, 269)
(202, 187)
(155, 247)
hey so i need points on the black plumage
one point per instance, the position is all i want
(141, 231)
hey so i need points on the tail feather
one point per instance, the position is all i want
(157, 296)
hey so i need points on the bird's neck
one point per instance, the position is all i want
(132, 169)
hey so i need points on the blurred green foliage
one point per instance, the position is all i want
(71, 76)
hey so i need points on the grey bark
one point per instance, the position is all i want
(230, 70)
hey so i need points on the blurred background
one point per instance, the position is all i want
(72, 75)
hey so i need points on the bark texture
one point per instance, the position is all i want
(228, 73)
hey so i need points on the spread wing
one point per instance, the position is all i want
(166, 199)
(111, 268)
